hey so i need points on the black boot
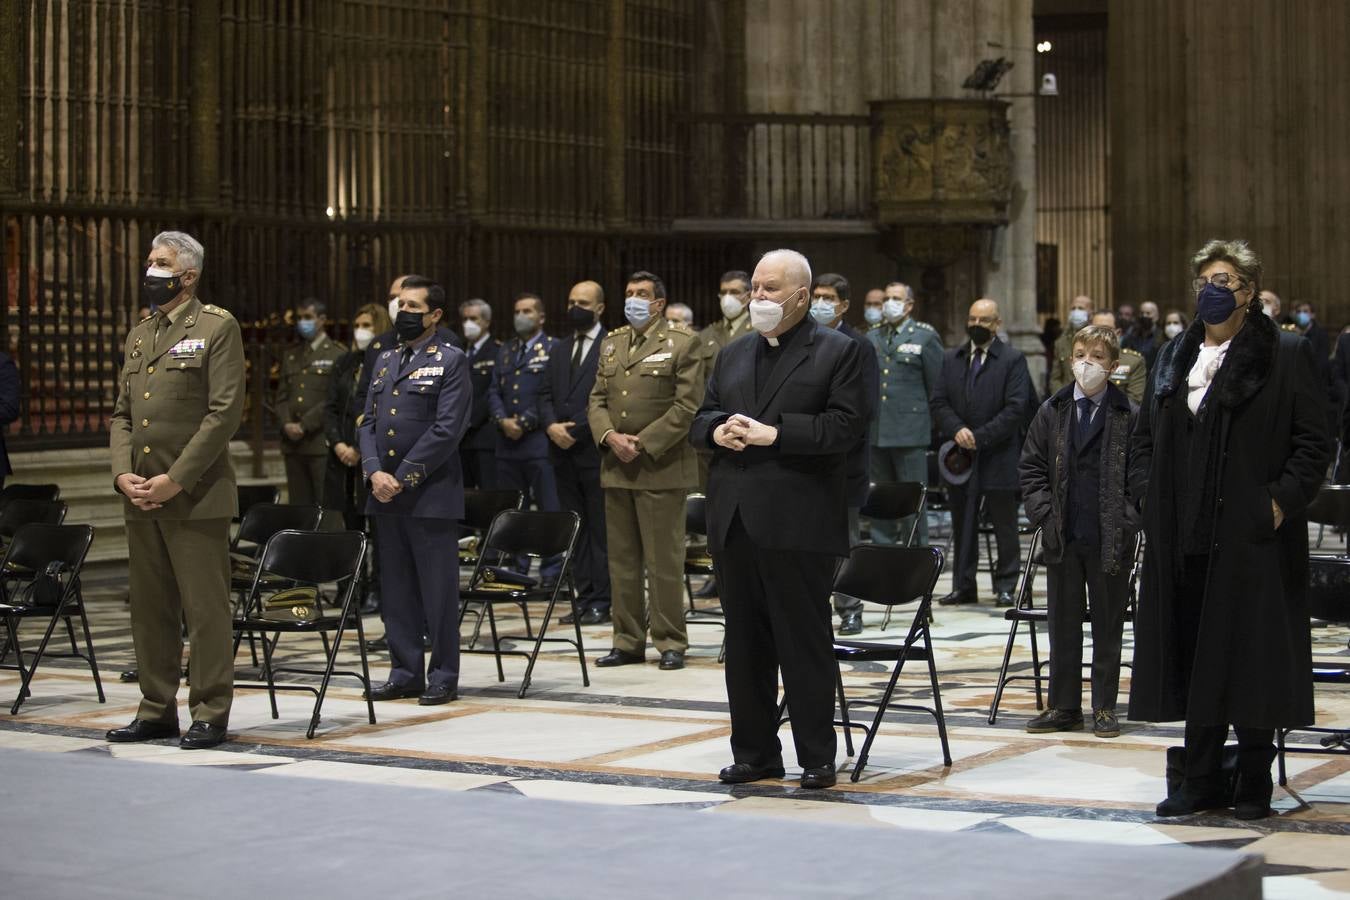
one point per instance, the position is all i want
(1251, 799)
(1196, 794)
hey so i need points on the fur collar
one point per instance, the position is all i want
(1248, 363)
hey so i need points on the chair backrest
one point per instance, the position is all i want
(18, 513)
(265, 519)
(1331, 506)
(1329, 588)
(696, 515)
(45, 492)
(250, 495)
(542, 534)
(889, 574)
(37, 545)
(893, 499)
(313, 557)
(481, 507)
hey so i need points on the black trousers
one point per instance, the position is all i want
(480, 468)
(777, 606)
(419, 583)
(1074, 584)
(579, 491)
(1002, 508)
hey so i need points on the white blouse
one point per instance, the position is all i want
(1207, 363)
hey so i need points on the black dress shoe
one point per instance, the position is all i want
(744, 773)
(958, 598)
(818, 777)
(595, 616)
(202, 735)
(1196, 795)
(142, 730)
(130, 676)
(1056, 720)
(850, 623)
(617, 657)
(393, 691)
(708, 590)
(377, 645)
(671, 660)
(1004, 598)
(569, 618)
(436, 694)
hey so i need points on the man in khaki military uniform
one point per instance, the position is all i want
(1061, 368)
(647, 388)
(1131, 372)
(734, 298)
(180, 402)
(301, 394)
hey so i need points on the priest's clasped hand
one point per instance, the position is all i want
(741, 431)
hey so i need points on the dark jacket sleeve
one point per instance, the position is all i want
(363, 383)
(1008, 422)
(948, 422)
(838, 427)
(1033, 469)
(1141, 441)
(336, 407)
(871, 375)
(1301, 479)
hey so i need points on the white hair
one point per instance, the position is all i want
(797, 268)
(686, 314)
(484, 311)
(189, 250)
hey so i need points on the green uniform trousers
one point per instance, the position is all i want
(305, 479)
(180, 570)
(646, 531)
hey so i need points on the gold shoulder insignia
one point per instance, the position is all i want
(622, 329)
(215, 310)
(1288, 326)
(925, 325)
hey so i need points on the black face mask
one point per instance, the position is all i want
(409, 325)
(979, 334)
(158, 290)
(581, 319)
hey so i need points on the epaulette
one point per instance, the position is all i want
(1289, 326)
(1131, 352)
(622, 329)
(147, 318)
(681, 328)
(215, 310)
(919, 324)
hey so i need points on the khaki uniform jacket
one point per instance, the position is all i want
(303, 391)
(653, 392)
(1061, 370)
(712, 339)
(180, 402)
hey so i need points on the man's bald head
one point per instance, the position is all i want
(793, 267)
(1082, 301)
(984, 314)
(589, 289)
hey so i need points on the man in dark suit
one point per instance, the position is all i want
(980, 402)
(478, 450)
(416, 412)
(783, 410)
(564, 396)
(829, 302)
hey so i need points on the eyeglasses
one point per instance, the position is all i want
(1218, 279)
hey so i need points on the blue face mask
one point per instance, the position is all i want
(1304, 319)
(822, 311)
(1215, 304)
(872, 315)
(307, 328)
(637, 311)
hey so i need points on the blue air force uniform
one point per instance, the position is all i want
(910, 356)
(416, 413)
(523, 465)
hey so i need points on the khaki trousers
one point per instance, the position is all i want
(305, 479)
(645, 530)
(180, 569)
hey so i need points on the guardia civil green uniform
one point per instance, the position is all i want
(648, 385)
(306, 371)
(910, 356)
(710, 342)
(180, 401)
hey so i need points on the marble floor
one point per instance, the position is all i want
(638, 736)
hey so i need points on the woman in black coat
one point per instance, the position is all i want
(1230, 449)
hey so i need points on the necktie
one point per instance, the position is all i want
(576, 352)
(407, 355)
(976, 360)
(1084, 420)
(160, 326)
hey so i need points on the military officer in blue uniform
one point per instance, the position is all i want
(417, 410)
(516, 405)
(910, 355)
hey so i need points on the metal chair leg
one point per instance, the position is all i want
(1003, 672)
(843, 708)
(89, 645)
(1036, 666)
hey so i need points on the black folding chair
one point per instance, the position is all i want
(259, 524)
(1328, 601)
(537, 534)
(480, 508)
(1331, 507)
(42, 492)
(42, 579)
(892, 576)
(698, 562)
(250, 495)
(893, 501)
(1026, 610)
(20, 512)
(307, 559)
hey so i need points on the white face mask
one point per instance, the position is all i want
(472, 330)
(732, 306)
(157, 272)
(637, 311)
(1078, 318)
(1088, 374)
(894, 310)
(1172, 329)
(363, 337)
(1268, 310)
(765, 315)
(393, 309)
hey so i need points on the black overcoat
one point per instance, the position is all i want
(1253, 657)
